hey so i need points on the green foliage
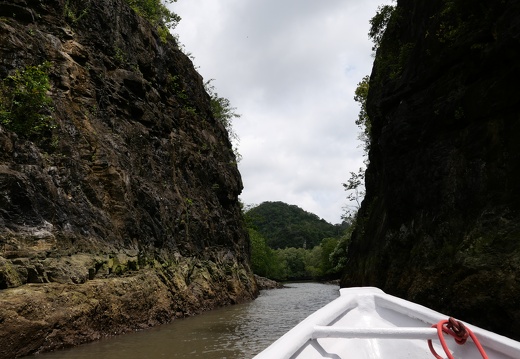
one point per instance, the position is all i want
(355, 187)
(363, 121)
(405, 50)
(120, 57)
(290, 263)
(338, 256)
(261, 254)
(328, 246)
(221, 108)
(379, 23)
(175, 84)
(264, 260)
(294, 262)
(284, 225)
(224, 113)
(73, 13)
(460, 20)
(156, 12)
(392, 53)
(454, 20)
(24, 102)
(163, 32)
(314, 262)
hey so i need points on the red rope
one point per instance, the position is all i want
(459, 332)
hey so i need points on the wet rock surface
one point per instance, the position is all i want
(126, 214)
(440, 221)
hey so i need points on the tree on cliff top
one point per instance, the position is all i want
(156, 12)
(378, 24)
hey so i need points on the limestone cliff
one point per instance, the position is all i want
(125, 213)
(440, 224)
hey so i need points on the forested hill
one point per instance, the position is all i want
(284, 225)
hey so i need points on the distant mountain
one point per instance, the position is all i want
(284, 225)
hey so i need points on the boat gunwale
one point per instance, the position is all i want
(292, 343)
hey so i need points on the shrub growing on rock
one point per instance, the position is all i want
(24, 102)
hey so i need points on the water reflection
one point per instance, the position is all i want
(239, 331)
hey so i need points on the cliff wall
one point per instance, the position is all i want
(440, 224)
(124, 213)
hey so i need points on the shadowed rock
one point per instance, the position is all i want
(440, 221)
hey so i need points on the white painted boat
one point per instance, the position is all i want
(366, 323)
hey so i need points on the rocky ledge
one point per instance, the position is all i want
(266, 283)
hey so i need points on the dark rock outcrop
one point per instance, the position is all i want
(126, 214)
(266, 283)
(440, 224)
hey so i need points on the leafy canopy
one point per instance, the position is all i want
(156, 11)
(285, 225)
(320, 259)
(378, 24)
(295, 263)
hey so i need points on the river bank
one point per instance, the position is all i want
(37, 318)
(232, 332)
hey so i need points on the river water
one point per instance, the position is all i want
(239, 331)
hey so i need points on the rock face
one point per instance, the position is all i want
(126, 214)
(266, 283)
(440, 223)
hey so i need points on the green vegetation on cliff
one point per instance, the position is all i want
(24, 102)
(156, 12)
(224, 112)
(379, 23)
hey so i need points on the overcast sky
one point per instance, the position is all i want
(290, 67)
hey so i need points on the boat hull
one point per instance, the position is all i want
(366, 323)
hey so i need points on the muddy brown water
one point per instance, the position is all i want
(239, 331)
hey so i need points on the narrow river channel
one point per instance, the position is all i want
(239, 331)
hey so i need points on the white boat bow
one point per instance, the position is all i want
(366, 323)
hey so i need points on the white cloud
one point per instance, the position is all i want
(290, 67)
